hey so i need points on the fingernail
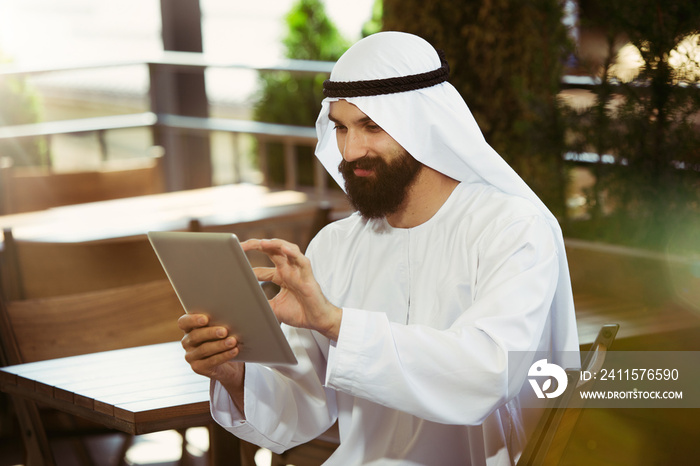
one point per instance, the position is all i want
(202, 321)
(230, 342)
(220, 332)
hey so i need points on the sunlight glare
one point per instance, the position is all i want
(154, 448)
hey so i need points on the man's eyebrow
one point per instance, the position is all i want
(364, 119)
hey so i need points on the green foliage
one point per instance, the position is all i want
(374, 24)
(649, 123)
(311, 34)
(506, 59)
(291, 99)
(20, 105)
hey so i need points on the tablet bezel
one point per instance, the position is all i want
(211, 274)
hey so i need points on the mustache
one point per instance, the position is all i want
(365, 163)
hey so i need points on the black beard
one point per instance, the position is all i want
(383, 192)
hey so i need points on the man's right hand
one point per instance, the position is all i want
(211, 352)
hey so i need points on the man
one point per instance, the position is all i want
(402, 316)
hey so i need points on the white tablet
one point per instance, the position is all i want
(211, 274)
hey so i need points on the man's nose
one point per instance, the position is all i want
(355, 146)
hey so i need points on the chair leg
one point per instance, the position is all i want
(81, 452)
(37, 448)
(128, 442)
(248, 451)
(184, 454)
(224, 448)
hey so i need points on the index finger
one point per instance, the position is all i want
(278, 247)
(251, 245)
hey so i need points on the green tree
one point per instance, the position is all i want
(506, 59)
(647, 123)
(374, 23)
(291, 99)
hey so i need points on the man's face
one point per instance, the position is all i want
(376, 169)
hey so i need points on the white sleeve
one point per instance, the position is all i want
(284, 405)
(458, 375)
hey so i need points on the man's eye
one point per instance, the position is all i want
(374, 128)
(339, 127)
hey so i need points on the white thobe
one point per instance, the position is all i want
(419, 372)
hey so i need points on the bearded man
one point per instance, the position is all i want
(403, 316)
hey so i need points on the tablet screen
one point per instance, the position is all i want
(211, 275)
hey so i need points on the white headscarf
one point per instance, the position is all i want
(436, 127)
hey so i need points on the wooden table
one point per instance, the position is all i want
(135, 390)
(217, 205)
(641, 325)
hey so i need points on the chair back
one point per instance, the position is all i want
(548, 441)
(26, 189)
(35, 269)
(61, 326)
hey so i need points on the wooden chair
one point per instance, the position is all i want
(92, 281)
(76, 295)
(25, 189)
(61, 326)
(31, 269)
(547, 443)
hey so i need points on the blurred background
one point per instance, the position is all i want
(596, 104)
(77, 33)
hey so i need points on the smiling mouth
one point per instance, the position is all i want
(362, 172)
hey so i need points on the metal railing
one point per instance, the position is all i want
(167, 124)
